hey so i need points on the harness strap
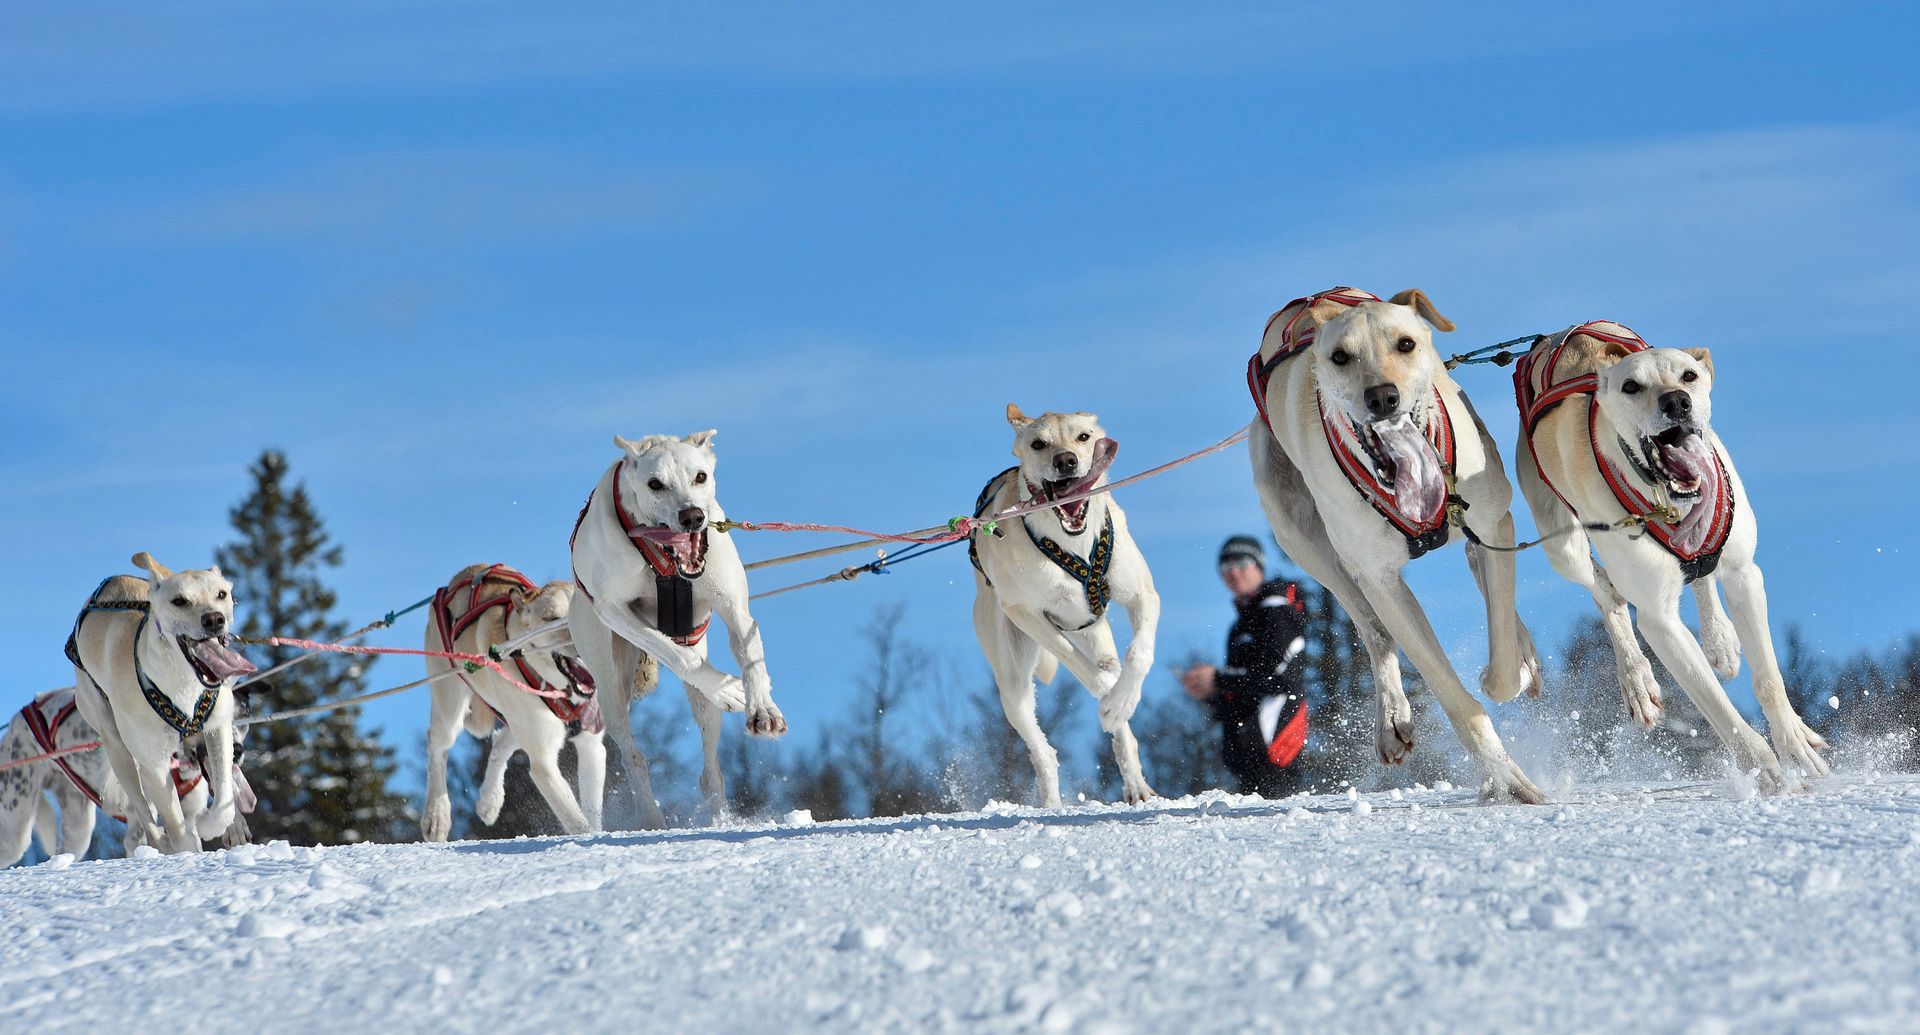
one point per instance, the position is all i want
(980, 508)
(673, 587)
(1538, 389)
(45, 733)
(1430, 531)
(1294, 340)
(1089, 571)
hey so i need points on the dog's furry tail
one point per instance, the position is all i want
(1046, 668)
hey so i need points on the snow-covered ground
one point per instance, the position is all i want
(1672, 908)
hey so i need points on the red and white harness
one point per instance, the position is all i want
(1422, 532)
(452, 616)
(46, 733)
(668, 576)
(1539, 387)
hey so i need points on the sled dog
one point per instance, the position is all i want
(80, 782)
(648, 558)
(152, 666)
(1615, 432)
(1367, 455)
(1043, 583)
(489, 604)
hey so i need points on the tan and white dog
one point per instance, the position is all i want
(151, 667)
(1043, 582)
(80, 783)
(1615, 432)
(646, 556)
(1372, 453)
(491, 604)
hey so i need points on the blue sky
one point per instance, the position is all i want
(440, 253)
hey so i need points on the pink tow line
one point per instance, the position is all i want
(74, 750)
(472, 660)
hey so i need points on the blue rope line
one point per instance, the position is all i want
(880, 565)
(1496, 354)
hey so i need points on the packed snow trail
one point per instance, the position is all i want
(1672, 909)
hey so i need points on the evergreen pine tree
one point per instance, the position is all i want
(319, 779)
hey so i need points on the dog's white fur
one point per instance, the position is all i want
(1343, 543)
(29, 793)
(530, 725)
(1636, 570)
(1030, 615)
(616, 633)
(138, 743)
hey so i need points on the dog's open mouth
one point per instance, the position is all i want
(1405, 461)
(579, 680)
(1073, 513)
(1679, 458)
(214, 662)
(689, 549)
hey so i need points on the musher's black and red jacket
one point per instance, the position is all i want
(1263, 661)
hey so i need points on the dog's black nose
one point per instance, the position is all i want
(1382, 400)
(213, 622)
(1066, 463)
(693, 519)
(1677, 405)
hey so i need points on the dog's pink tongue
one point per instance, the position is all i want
(1103, 454)
(223, 661)
(1691, 460)
(1419, 485)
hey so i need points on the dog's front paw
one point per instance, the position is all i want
(238, 833)
(1135, 790)
(1753, 757)
(212, 824)
(1798, 745)
(436, 821)
(1506, 784)
(493, 798)
(1642, 692)
(766, 721)
(1395, 732)
(1722, 647)
(1117, 708)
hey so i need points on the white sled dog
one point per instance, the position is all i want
(654, 574)
(1373, 455)
(1615, 431)
(1042, 588)
(489, 604)
(151, 667)
(80, 782)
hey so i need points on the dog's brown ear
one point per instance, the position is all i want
(1016, 418)
(701, 439)
(1424, 306)
(1704, 357)
(145, 560)
(1613, 352)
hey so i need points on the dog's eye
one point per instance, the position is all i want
(1690, 377)
(179, 601)
(1038, 445)
(1085, 435)
(656, 485)
(1630, 387)
(1339, 357)
(222, 595)
(700, 479)
(1404, 345)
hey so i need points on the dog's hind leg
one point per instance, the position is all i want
(590, 765)
(615, 665)
(1792, 738)
(1513, 667)
(1570, 552)
(1013, 655)
(76, 821)
(1503, 779)
(713, 785)
(449, 713)
(493, 785)
(20, 803)
(1717, 635)
(542, 741)
(1297, 527)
